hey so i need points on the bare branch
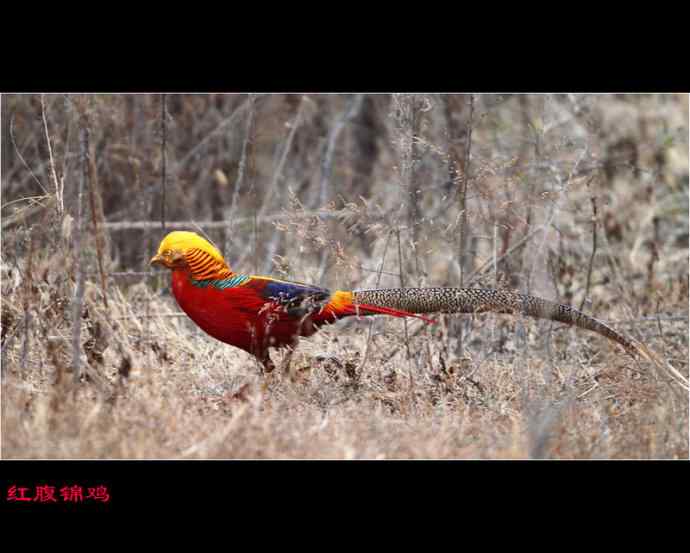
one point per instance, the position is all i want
(164, 154)
(593, 199)
(327, 163)
(79, 291)
(59, 186)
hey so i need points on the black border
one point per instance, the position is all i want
(137, 487)
(522, 63)
(417, 48)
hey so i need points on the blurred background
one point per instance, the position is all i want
(311, 186)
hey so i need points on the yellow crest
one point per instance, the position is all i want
(176, 245)
(182, 241)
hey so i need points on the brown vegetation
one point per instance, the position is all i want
(582, 199)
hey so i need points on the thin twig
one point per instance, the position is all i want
(594, 244)
(462, 199)
(544, 228)
(253, 219)
(402, 285)
(247, 145)
(243, 157)
(327, 163)
(495, 264)
(28, 279)
(118, 274)
(164, 155)
(59, 187)
(68, 132)
(478, 272)
(79, 291)
(115, 226)
(22, 215)
(97, 230)
(462, 206)
(658, 321)
(277, 177)
(371, 324)
(21, 157)
(278, 173)
(227, 121)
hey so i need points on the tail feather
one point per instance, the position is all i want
(343, 304)
(475, 300)
(366, 309)
(411, 302)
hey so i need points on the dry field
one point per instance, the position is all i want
(582, 199)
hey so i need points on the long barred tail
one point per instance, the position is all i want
(476, 300)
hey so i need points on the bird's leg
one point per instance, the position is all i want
(285, 365)
(268, 365)
(266, 362)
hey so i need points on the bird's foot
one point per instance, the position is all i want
(326, 357)
(331, 363)
(267, 365)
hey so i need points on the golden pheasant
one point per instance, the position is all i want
(255, 313)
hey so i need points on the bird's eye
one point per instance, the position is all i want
(166, 253)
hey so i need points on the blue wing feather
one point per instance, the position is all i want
(285, 291)
(296, 298)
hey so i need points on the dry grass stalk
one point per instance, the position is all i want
(164, 156)
(58, 184)
(78, 299)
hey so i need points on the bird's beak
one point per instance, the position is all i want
(156, 260)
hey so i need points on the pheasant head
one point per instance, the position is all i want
(189, 251)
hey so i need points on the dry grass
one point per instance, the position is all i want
(154, 386)
(186, 396)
